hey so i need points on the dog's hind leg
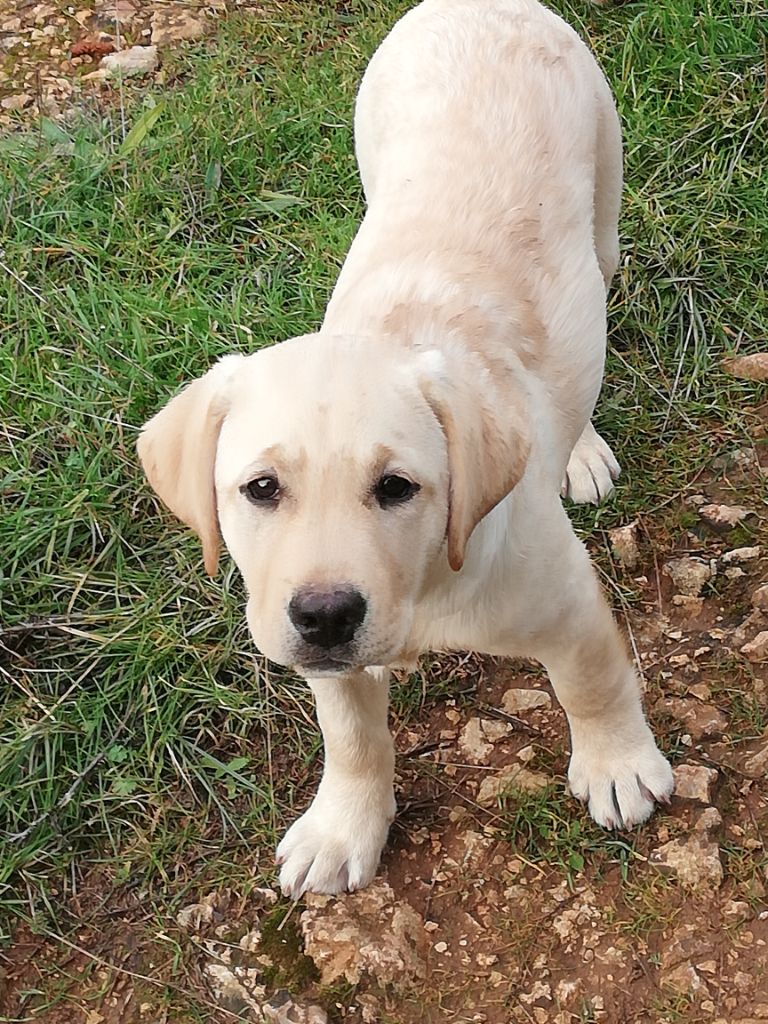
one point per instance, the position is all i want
(592, 467)
(591, 470)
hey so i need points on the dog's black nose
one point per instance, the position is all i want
(327, 618)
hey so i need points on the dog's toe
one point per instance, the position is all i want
(591, 471)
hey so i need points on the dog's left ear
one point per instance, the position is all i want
(177, 448)
(484, 419)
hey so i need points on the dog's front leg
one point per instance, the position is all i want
(336, 844)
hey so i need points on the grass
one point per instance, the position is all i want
(140, 734)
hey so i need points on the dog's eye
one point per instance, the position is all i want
(261, 490)
(394, 490)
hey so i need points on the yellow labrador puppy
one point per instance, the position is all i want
(392, 483)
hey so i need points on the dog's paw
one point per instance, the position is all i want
(591, 469)
(336, 845)
(620, 786)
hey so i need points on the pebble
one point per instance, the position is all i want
(757, 649)
(478, 736)
(688, 574)
(136, 60)
(515, 777)
(623, 540)
(695, 782)
(174, 23)
(723, 517)
(738, 555)
(516, 700)
(695, 861)
(753, 367)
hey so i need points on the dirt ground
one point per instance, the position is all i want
(497, 899)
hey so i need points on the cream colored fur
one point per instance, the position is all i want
(463, 349)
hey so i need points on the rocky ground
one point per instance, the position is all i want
(55, 54)
(498, 900)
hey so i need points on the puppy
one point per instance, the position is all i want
(392, 483)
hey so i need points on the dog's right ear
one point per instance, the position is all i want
(177, 448)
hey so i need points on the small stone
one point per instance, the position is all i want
(708, 821)
(367, 933)
(723, 517)
(700, 720)
(756, 767)
(515, 700)
(701, 691)
(694, 782)
(757, 649)
(511, 779)
(690, 606)
(682, 979)
(174, 24)
(440, 947)
(695, 861)
(688, 574)
(753, 367)
(478, 736)
(113, 15)
(739, 555)
(191, 918)
(17, 102)
(737, 910)
(136, 60)
(623, 540)
(760, 598)
(678, 660)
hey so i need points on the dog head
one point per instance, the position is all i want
(338, 473)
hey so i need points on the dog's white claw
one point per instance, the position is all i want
(333, 848)
(591, 471)
(620, 787)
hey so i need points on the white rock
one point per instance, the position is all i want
(174, 23)
(136, 60)
(478, 736)
(682, 979)
(624, 545)
(17, 101)
(757, 649)
(515, 777)
(760, 598)
(193, 916)
(739, 555)
(695, 861)
(756, 767)
(229, 992)
(695, 782)
(688, 574)
(365, 933)
(723, 517)
(516, 700)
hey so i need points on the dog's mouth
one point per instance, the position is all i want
(313, 664)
